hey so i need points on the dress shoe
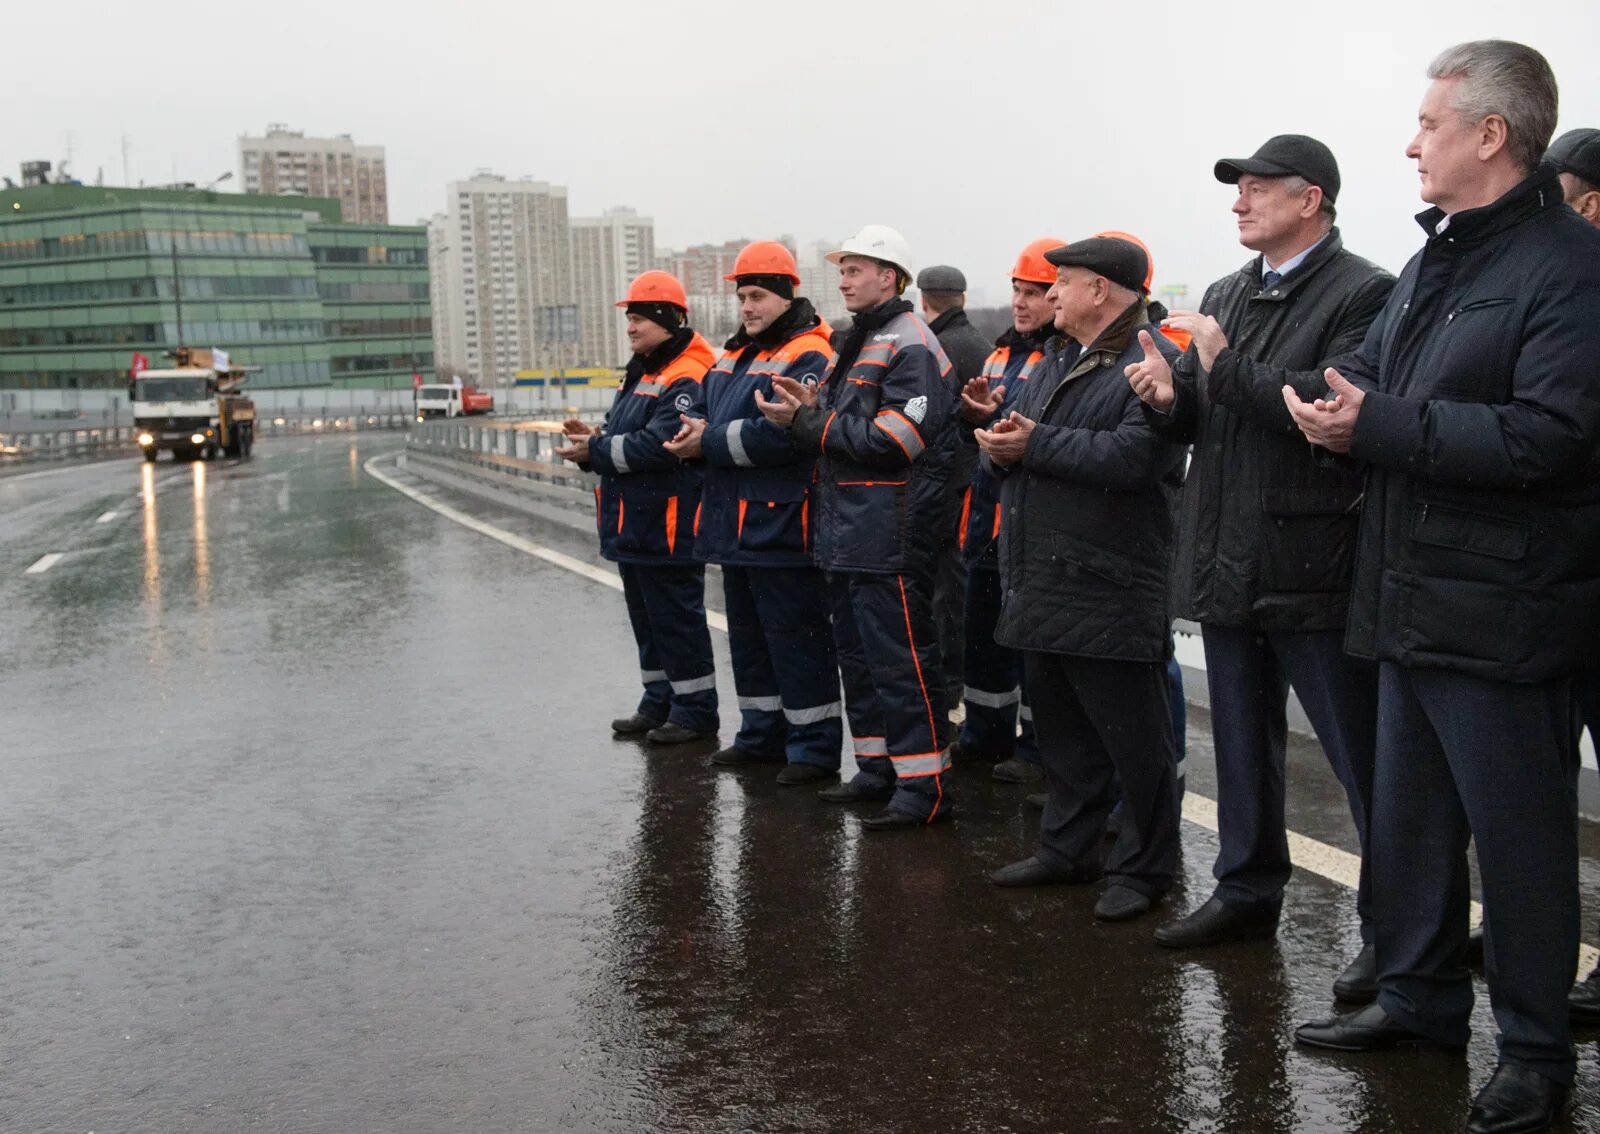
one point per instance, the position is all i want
(634, 725)
(1037, 872)
(733, 756)
(1358, 984)
(887, 820)
(804, 774)
(674, 733)
(1365, 1029)
(1583, 1002)
(1516, 1100)
(1119, 903)
(1015, 771)
(857, 790)
(1218, 921)
(1037, 799)
(1475, 947)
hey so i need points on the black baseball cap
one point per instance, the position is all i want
(1119, 261)
(1286, 155)
(1577, 152)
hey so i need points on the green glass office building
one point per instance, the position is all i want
(90, 275)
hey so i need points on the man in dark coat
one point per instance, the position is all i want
(1084, 552)
(944, 300)
(1472, 406)
(1266, 535)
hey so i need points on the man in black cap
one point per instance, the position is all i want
(1084, 563)
(1576, 156)
(1266, 533)
(944, 301)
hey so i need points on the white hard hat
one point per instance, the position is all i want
(880, 242)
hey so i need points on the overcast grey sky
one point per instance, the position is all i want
(972, 127)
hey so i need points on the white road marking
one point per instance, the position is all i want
(72, 467)
(106, 518)
(1306, 853)
(44, 563)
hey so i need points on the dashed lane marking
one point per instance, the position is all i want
(106, 517)
(44, 563)
(1306, 853)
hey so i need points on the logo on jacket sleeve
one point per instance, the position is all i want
(683, 402)
(917, 408)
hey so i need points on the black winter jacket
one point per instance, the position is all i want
(1480, 535)
(967, 350)
(1086, 536)
(1267, 533)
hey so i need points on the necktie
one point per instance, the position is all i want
(1269, 279)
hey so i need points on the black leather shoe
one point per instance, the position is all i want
(1366, 1029)
(1037, 799)
(733, 756)
(1516, 1100)
(1119, 903)
(856, 791)
(1014, 771)
(1218, 921)
(792, 774)
(887, 820)
(1037, 872)
(674, 733)
(634, 725)
(1358, 984)
(1583, 1002)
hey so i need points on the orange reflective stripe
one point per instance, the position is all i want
(621, 504)
(805, 522)
(911, 641)
(672, 524)
(898, 426)
(597, 507)
(966, 514)
(996, 534)
(697, 508)
(739, 532)
(827, 426)
(922, 763)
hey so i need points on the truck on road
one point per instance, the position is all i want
(448, 400)
(193, 410)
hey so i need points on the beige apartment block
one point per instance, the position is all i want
(286, 162)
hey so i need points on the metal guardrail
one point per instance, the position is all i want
(99, 443)
(522, 448)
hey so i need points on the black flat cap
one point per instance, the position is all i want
(941, 277)
(1119, 261)
(1577, 152)
(1286, 155)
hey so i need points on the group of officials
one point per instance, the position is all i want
(1382, 493)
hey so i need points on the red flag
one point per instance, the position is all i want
(140, 365)
(416, 381)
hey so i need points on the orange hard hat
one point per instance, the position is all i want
(1032, 267)
(764, 258)
(1150, 261)
(656, 287)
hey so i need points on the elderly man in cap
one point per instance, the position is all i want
(944, 301)
(1266, 532)
(1084, 555)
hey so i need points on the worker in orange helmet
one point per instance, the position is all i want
(754, 521)
(646, 503)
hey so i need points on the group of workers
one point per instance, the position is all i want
(1382, 493)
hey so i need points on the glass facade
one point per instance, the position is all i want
(90, 275)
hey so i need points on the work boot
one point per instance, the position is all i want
(1037, 799)
(792, 774)
(733, 756)
(889, 820)
(962, 754)
(634, 725)
(1218, 921)
(1015, 771)
(861, 789)
(674, 733)
(1516, 1100)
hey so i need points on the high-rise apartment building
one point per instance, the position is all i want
(287, 162)
(513, 247)
(447, 297)
(819, 281)
(608, 251)
(713, 301)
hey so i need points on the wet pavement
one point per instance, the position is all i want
(312, 822)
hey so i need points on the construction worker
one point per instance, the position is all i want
(754, 520)
(646, 503)
(993, 688)
(883, 422)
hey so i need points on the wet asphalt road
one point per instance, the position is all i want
(311, 822)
